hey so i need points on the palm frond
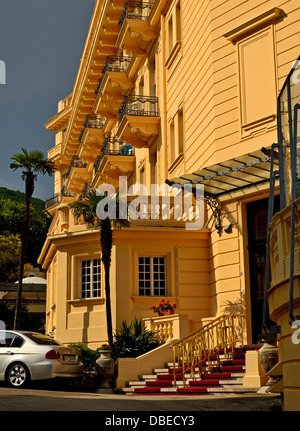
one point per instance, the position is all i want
(32, 161)
(84, 210)
(88, 209)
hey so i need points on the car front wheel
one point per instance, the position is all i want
(17, 375)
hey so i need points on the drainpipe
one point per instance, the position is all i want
(292, 318)
(270, 216)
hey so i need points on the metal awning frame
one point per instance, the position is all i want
(243, 172)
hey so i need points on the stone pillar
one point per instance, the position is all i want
(255, 376)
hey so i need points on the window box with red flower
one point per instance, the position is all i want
(164, 308)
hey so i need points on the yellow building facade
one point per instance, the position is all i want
(169, 92)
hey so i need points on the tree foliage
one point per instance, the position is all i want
(88, 356)
(30, 321)
(10, 249)
(12, 213)
(17, 196)
(31, 163)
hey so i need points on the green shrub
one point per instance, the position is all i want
(88, 356)
(134, 340)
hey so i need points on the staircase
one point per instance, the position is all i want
(210, 360)
(222, 373)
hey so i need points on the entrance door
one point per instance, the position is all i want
(257, 219)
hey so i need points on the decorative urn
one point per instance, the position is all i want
(105, 368)
(268, 356)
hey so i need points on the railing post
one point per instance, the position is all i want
(174, 366)
(182, 358)
(201, 345)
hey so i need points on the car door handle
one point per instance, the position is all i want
(9, 353)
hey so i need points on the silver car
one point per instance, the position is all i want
(26, 356)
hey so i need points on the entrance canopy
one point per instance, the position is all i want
(235, 174)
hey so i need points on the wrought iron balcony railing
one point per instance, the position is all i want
(116, 63)
(78, 163)
(66, 193)
(50, 202)
(97, 89)
(81, 135)
(123, 150)
(75, 163)
(135, 10)
(146, 106)
(87, 189)
(68, 173)
(55, 199)
(113, 63)
(93, 121)
(97, 163)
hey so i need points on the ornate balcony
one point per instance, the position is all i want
(115, 160)
(94, 122)
(135, 10)
(90, 137)
(87, 189)
(113, 86)
(57, 198)
(52, 201)
(113, 63)
(55, 155)
(65, 193)
(93, 129)
(77, 175)
(139, 121)
(135, 32)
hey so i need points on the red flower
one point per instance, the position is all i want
(163, 306)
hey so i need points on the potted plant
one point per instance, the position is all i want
(164, 308)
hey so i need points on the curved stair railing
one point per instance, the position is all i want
(221, 336)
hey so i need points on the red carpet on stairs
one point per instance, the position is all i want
(230, 369)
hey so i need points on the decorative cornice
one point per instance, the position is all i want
(254, 24)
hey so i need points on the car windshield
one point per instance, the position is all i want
(42, 339)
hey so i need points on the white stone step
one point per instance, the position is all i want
(147, 377)
(161, 370)
(170, 390)
(238, 381)
(231, 389)
(237, 375)
(137, 383)
(127, 390)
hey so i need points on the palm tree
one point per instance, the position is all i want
(88, 210)
(33, 163)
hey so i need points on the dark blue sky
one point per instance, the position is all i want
(41, 43)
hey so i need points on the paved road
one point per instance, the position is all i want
(69, 409)
(47, 399)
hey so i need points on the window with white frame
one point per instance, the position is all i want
(152, 276)
(90, 278)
